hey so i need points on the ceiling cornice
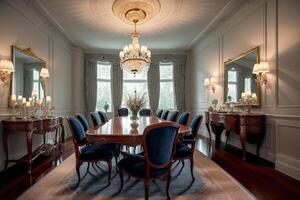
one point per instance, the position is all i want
(231, 7)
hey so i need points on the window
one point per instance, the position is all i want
(247, 85)
(103, 86)
(133, 83)
(37, 86)
(166, 95)
(232, 84)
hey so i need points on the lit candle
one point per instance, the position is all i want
(24, 100)
(27, 104)
(20, 98)
(243, 95)
(13, 98)
(48, 99)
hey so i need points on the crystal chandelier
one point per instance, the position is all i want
(135, 58)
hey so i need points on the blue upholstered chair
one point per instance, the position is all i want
(96, 119)
(123, 112)
(159, 145)
(172, 116)
(103, 116)
(91, 153)
(159, 113)
(145, 112)
(84, 122)
(185, 149)
(184, 118)
(165, 114)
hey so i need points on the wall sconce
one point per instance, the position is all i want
(210, 83)
(6, 68)
(261, 70)
(44, 74)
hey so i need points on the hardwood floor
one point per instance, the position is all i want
(257, 175)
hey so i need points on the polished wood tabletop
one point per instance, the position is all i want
(118, 130)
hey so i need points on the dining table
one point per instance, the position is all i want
(122, 130)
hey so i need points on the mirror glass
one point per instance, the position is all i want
(26, 77)
(238, 76)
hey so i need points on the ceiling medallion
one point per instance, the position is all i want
(135, 58)
(132, 10)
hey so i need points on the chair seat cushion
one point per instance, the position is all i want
(98, 151)
(183, 150)
(135, 166)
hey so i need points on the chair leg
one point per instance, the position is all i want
(168, 185)
(116, 160)
(121, 179)
(109, 170)
(192, 168)
(146, 189)
(78, 164)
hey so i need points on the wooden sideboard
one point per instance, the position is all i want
(30, 127)
(250, 127)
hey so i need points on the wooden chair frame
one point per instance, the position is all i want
(150, 165)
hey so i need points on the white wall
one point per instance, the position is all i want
(22, 25)
(256, 25)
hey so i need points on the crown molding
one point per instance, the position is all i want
(224, 15)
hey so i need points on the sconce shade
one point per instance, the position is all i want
(206, 81)
(6, 66)
(262, 67)
(44, 73)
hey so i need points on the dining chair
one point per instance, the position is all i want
(184, 118)
(84, 122)
(145, 112)
(172, 116)
(164, 115)
(159, 113)
(90, 153)
(103, 116)
(123, 112)
(159, 145)
(95, 119)
(185, 149)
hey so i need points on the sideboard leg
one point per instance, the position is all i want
(5, 143)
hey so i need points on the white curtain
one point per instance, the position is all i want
(153, 86)
(90, 86)
(117, 87)
(179, 85)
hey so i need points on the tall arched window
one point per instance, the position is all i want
(103, 85)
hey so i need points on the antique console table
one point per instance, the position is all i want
(30, 127)
(250, 127)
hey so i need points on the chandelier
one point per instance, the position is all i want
(135, 58)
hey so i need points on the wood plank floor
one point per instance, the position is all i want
(257, 175)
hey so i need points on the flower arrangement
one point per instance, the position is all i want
(134, 103)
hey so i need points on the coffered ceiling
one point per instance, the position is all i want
(91, 24)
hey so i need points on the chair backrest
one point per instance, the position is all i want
(164, 115)
(195, 125)
(77, 130)
(159, 143)
(95, 119)
(84, 122)
(172, 116)
(103, 116)
(123, 112)
(184, 118)
(159, 113)
(145, 112)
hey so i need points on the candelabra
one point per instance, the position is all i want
(247, 100)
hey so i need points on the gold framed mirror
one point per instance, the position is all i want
(26, 77)
(239, 77)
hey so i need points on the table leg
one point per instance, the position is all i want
(218, 130)
(243, 137)
(29, 149)
(5, 143)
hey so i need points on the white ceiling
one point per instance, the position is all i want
(91, 24)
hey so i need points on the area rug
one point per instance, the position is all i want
(211, 182)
